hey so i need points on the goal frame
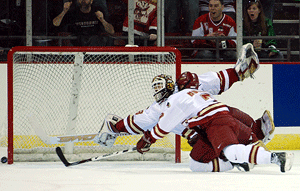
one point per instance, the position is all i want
(10, 105)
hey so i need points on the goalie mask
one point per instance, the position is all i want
(163, 87)
(187, 80)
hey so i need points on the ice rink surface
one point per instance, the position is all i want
(142, 176)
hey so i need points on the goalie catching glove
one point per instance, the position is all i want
(143, 145)
(248, 62)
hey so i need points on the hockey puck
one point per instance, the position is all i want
(3, 159)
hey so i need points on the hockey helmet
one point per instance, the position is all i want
(163, 87)
(187, 80)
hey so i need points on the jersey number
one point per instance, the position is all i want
(205, 96)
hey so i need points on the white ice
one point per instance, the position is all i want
(142, 176)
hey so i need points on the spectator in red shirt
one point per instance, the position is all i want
(145, 21)
(214, 24)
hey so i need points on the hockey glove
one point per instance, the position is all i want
(143, 145)
(192, 141)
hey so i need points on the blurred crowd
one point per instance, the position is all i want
(102, 22)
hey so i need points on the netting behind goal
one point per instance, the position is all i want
(56, 91)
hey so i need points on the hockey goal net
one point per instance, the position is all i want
(60, 91)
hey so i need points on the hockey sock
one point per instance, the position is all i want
(121, 127)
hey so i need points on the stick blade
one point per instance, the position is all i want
(62, 156)
(38, 129)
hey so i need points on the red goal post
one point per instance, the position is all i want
(56, 91)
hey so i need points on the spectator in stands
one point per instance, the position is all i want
(214, 24)
(3, 54)
(145, 22)
(180, 15)
(103, 4)
(229, 8)
(256, 24)
(87, 22)
(268, 7)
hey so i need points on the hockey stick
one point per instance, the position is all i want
(39, 131)
(97, 158)
(60, 139)
(64, 138)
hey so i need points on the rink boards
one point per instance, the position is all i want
(272, 85)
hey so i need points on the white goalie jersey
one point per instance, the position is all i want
(212, 82)
(185, 107)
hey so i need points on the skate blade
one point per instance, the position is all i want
(289, 161)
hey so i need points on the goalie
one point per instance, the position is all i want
(213, 82)
(221, 139)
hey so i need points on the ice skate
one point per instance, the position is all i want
(108, 133)
(283, 159)
(243, 166)
(267, 126)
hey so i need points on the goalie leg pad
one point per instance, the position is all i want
(248, 62)
(267, 126)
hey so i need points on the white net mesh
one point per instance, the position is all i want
(72, 92)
